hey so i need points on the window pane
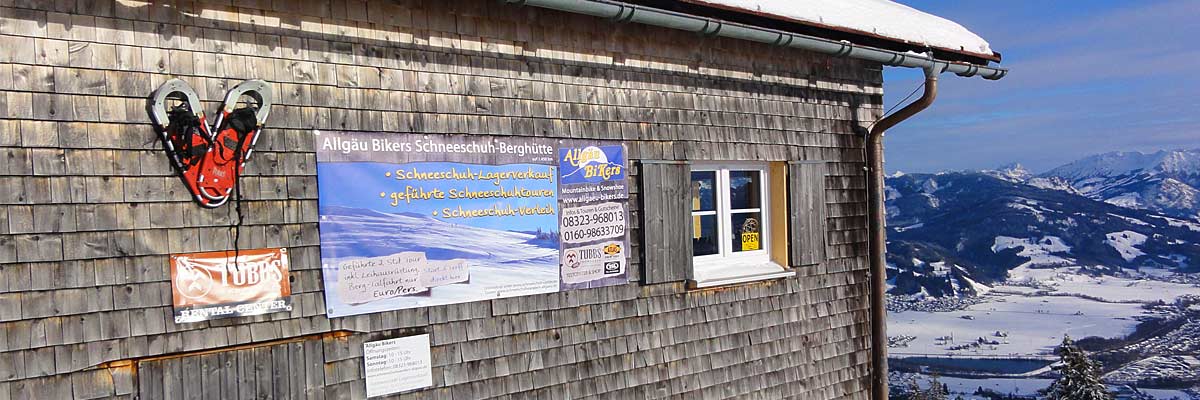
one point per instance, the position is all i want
(704, 235)
(704, 195)
(744, 189)
(746, 231)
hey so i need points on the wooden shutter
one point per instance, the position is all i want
(666, 221)
(806, 204)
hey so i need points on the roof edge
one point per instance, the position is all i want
(672, 18)
(750, 17)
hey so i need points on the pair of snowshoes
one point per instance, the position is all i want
(209, 164)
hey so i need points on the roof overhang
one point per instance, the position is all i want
(695, 18)
(711, 9)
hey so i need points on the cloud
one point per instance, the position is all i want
(1086, 78)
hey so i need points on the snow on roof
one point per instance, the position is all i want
(873, 17)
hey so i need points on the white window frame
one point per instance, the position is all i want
(729, 267)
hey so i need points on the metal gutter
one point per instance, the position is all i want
(623, 12)
(877, 223)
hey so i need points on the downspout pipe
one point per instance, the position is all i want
(877, 242)
(623, 12)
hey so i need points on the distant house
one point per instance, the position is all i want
(570, 198)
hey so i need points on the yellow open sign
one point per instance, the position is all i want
(750, 241)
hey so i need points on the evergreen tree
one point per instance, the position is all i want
(1080, 376)
(937, 390)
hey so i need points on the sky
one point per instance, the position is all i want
(1086, 77)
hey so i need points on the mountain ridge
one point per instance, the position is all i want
(1166, 181)
(954, 233)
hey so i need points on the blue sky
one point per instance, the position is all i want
(1087, 77)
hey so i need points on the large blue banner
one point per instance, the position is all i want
(411, 220)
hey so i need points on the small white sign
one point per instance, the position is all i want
(397, 365)
(365, 280)
(441, 273)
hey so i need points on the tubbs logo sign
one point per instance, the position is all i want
(224, 284)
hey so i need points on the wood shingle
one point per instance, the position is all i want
(91, 206)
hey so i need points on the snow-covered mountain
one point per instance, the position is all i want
(1166, 181)
(1105, 249)
(956, 233)
(1013, 172)
(1122, 163)
(1017, 173)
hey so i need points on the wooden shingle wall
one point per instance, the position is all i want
(90, 209)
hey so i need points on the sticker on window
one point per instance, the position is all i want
(750, 235)
(750, 241)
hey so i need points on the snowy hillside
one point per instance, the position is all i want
(955, 233)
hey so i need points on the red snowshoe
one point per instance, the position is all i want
(209, 165)
(237, 132)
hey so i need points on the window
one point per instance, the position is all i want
(728, 213)
(731, 224)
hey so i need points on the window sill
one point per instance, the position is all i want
(733, 274)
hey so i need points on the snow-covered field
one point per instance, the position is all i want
(967, 386)
(1034, 319)
(1033, 311)
(1034, 324)
(1068, 281)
